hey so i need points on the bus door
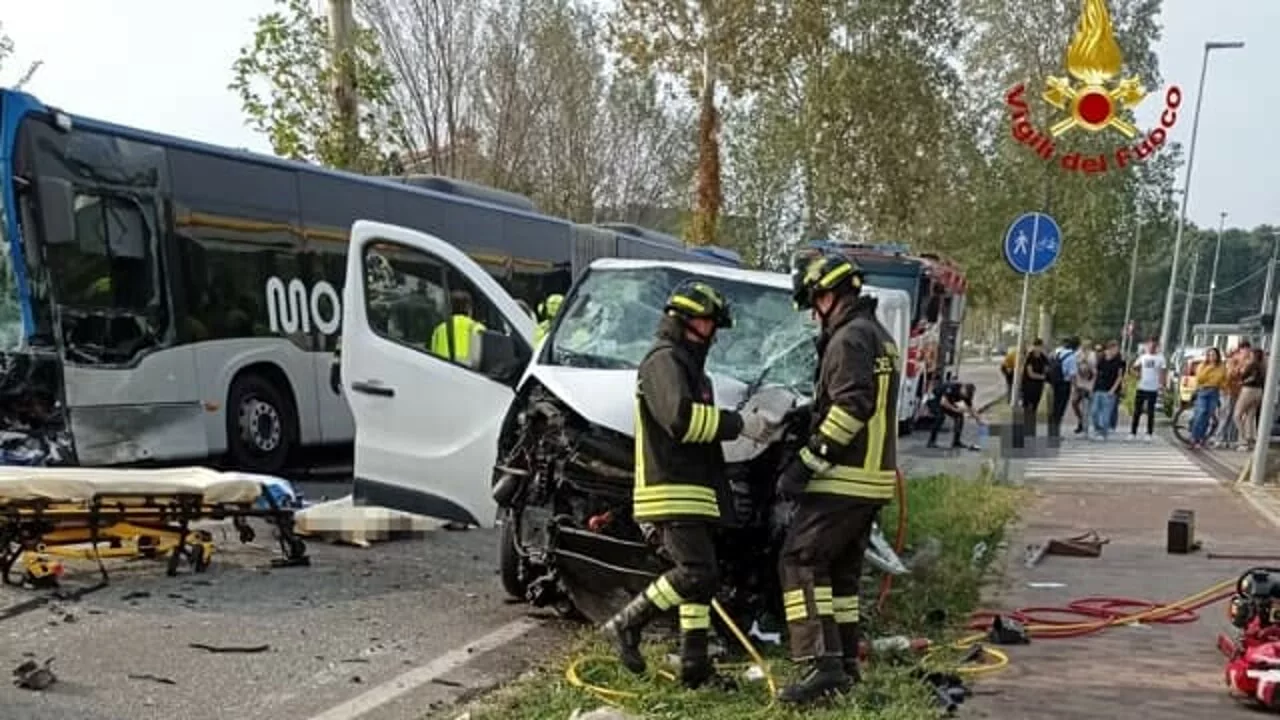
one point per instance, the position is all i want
(432, 351)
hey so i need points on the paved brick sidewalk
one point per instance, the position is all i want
(1171, 671)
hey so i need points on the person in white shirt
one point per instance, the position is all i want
(1151, 377)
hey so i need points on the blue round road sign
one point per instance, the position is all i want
(1033, 243)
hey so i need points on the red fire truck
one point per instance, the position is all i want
(937, 287)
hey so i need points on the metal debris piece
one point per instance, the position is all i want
(230, 648)
(153, 678)
(31, 675)
(1086, 545)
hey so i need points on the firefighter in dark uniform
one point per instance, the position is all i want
(841, 479)
(679, 465)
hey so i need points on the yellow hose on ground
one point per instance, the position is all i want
(613, 697)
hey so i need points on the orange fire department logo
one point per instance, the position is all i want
(1094, 101)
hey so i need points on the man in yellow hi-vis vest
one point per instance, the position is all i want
(459, 333)
(547, 310)
(679, 463)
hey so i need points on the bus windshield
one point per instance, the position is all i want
(614, 313)
(10, 312)
(101, 262)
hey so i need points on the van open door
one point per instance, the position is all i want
(432, 351)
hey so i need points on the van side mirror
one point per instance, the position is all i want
(57, 210)
(501, 358)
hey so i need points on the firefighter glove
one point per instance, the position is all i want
(794, 479)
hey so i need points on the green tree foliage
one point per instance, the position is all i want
(284, 78)
(709, 44)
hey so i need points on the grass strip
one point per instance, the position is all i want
(956, 525)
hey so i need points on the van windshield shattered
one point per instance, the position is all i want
(611, 320)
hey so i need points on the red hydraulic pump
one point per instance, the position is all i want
(1253, 657)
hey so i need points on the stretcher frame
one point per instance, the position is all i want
(147, 524)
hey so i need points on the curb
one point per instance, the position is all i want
(1250, 495)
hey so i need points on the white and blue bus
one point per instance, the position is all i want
(167, 300)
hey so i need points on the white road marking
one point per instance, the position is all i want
(1118, 461)
(382, 694)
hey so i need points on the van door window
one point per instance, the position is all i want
(418, 301)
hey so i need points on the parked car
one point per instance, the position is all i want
(1182, 378)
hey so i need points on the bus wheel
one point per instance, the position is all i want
(260, 425)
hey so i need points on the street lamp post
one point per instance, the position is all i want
(1133, 274)
(1213, 275)
(1167, 320)
(1266, 289)
(1191, 298)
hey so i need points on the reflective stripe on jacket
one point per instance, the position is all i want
(679, 462)
(854, 447)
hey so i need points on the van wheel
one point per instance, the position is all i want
(261, 425)
(510, 564)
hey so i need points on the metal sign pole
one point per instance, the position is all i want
(1019, 366)
(1258, 473)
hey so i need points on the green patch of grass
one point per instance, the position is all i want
(948, 515)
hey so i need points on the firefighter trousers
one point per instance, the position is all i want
(820, 567)
(692, 583)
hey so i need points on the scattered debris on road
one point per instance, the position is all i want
(1088, 544)
(31, 675)
(153, 678)
(242, 649)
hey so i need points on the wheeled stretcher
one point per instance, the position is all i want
(96, 514)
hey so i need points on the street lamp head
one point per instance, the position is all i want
(1234, 45)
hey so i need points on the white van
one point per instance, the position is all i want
(427, 428)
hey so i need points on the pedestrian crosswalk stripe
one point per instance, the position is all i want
(1116, 461)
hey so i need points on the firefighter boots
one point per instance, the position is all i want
(826, 677)
(850, 640)
(696, 669)
(623, 630)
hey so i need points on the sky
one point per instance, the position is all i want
(164, 65)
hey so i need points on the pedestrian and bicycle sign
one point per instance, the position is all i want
(1032, 243)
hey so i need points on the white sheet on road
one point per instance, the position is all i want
(75, 485)
(342, 520)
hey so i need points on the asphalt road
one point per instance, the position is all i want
(380, 633)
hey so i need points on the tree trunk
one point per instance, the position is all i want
(1046, 326)
(341, 29)
(706, 212)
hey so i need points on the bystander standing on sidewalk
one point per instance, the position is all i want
(1110, 374)
(1252, 380)
(1086, 362)
(1228, 432)
(1152, 373)
(1211, 376)
(1007, 368)
(1034, 368)
(1061, 379)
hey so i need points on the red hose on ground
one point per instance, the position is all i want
(1092, 614)
(1078, 618)
(886, 583)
